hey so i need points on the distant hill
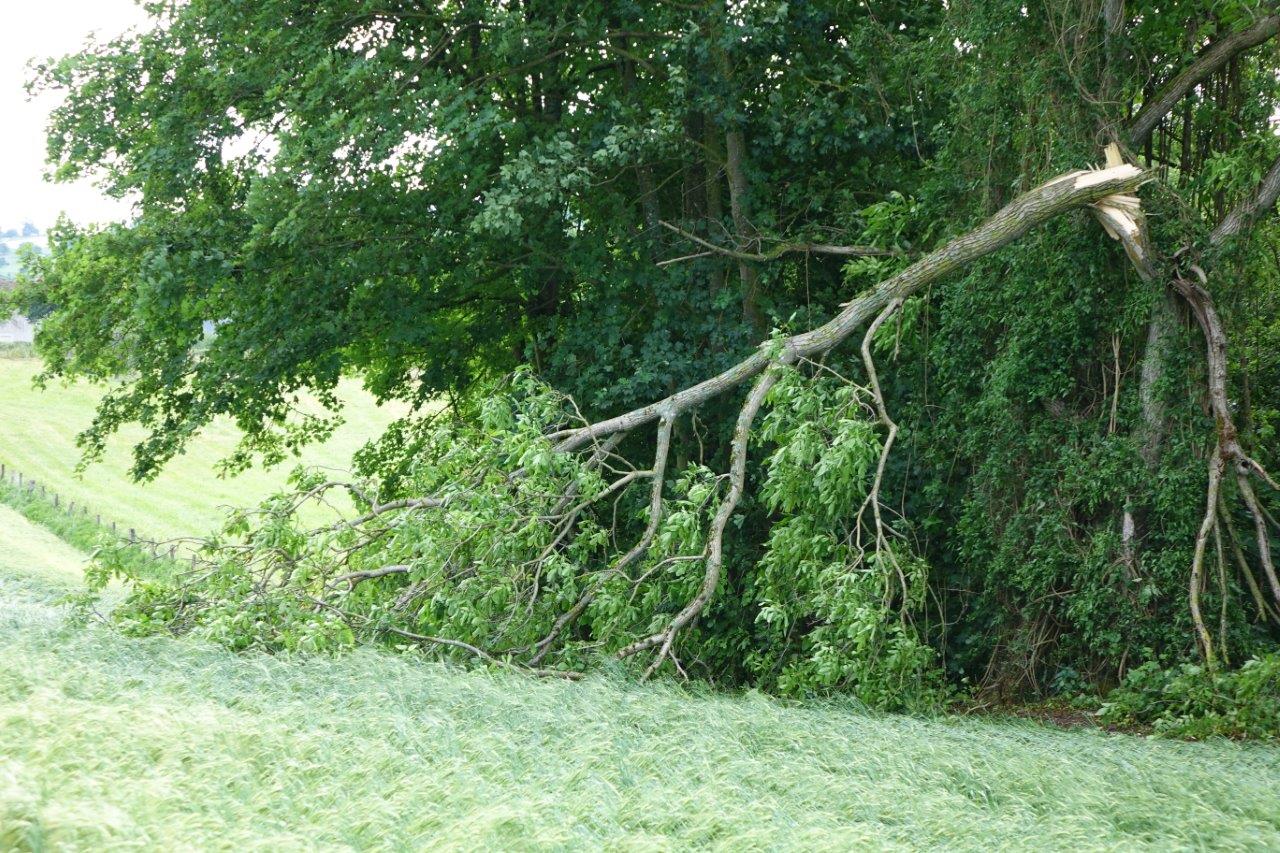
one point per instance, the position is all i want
(11, 239)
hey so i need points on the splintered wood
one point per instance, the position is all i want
(1121, 214)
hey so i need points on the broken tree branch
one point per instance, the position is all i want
(1066, 192)
(1228, 451)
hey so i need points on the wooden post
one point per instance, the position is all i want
(133, 536)
(55, 500)
(71, 508)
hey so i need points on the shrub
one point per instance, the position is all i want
(1192, 702)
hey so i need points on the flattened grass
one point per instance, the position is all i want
(108, 742)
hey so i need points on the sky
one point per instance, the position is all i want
(40, 29)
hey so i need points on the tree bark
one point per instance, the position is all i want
(735, 153)
(1209, 60)
(1066, 192)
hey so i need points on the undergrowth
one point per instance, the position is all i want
(1190, 701)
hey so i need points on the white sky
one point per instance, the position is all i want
(39, 29)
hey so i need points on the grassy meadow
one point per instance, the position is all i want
(109, 742)
(38, 429)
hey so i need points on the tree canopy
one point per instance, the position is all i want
(639, 209)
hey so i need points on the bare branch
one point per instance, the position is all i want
(354, 578)
(1265, 610)
(482, 654)
(776, 252)
(882, 411)
(715, 538)
(390, 506)
(659, 472)
(1217, 464)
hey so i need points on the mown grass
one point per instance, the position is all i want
(108, 742)
(37, 437)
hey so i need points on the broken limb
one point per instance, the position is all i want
(1125, 224)
(715, 538)
(1066, 192)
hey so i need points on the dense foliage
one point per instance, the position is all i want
(1190, 701)
(616, 201)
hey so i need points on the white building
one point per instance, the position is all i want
(17, 330)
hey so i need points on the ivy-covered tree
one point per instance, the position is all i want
(856, 345)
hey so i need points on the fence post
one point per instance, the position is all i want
(133, 536)
(71, 508)
(55, 500)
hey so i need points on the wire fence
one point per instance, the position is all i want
(36, 490)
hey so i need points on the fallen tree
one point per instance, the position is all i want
(613, 211)
(591, 447)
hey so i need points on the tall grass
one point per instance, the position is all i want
(108, 742)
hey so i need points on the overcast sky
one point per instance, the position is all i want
(43, 28)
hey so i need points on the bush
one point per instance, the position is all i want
(1190, 701)
(17, 350)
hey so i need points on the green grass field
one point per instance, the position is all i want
(37, 437)
(108, 742)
